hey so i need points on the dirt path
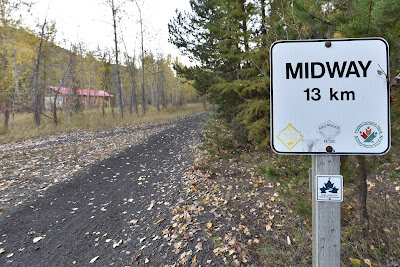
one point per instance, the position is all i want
(111, 213)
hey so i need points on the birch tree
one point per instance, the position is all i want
(36, 103)
(115, 11)
(143, 94)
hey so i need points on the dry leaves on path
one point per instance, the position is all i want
(27, 168)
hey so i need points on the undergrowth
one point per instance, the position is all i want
(380, 246)
(90, 120)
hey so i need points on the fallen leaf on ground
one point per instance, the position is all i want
(160, 221)
(37, 239)
(94, 259)
(138, 256)
(199, 246)
(117, 244)
(367, 262)
(355, 261)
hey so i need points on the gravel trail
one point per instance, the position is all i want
(109, 213)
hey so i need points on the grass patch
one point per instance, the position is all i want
(89, 120)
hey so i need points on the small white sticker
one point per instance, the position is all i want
(329, 188)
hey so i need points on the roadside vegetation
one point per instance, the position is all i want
(89, 120)
(256, 205)
(235, 78)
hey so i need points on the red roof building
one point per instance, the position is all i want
(65, 96)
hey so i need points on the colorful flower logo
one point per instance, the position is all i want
(368, 134)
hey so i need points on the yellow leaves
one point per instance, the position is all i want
(338, 35)
(209, 225)
(358, 262)
(159, 221)
(355, 261)
(246, 230)
(268, 227)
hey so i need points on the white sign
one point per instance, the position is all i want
(329, 188)
(330, 96)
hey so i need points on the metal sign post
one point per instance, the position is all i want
(329, 98)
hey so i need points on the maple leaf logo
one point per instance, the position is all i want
(330, 187)
(368, 135)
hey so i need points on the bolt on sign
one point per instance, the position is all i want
(330, 96)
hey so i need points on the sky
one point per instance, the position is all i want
(90, 22)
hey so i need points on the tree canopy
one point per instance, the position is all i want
(231, 38)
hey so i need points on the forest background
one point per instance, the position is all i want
(35, 65)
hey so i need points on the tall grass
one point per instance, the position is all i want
(90, 120)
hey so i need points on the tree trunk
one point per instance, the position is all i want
(55, 120)
(82, 78)
(143, 95)
(6, 116)
(133, 103)
(162, 84)
(105, 84)
(156, 94)
(16, 74)
(119, 85)
(35, 88)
